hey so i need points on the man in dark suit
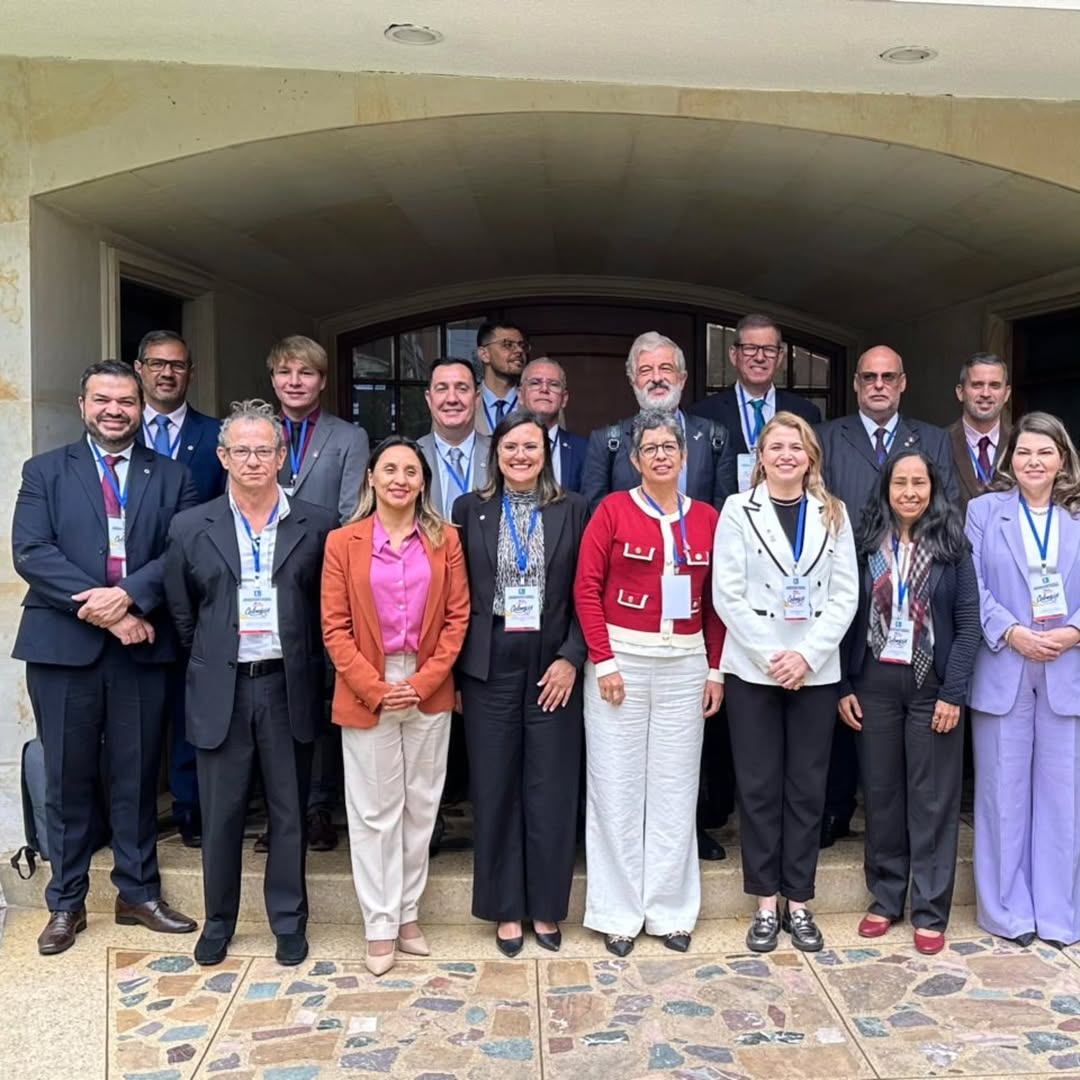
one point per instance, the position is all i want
(242, 578)
(855, 448)
(88, 538)
(979, 436)
(543, 390)
(745, 408)
(176, 430)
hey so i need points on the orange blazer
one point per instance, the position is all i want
(351, 625)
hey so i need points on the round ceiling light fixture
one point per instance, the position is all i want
(408, 34)
(908, 54)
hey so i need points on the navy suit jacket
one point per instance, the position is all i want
(197, 449)
(724, 408)
(572, 450)
(60, 543)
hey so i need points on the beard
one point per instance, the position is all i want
(669, 403)
(112, 442)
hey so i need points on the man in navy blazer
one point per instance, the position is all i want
(543, 391)
(88, 537)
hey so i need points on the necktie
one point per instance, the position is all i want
(161, 436)
(984, 458)
(454, 490)
(758, 405)
(456, 458)
(500, 412)
(879, 445)
(114, 567)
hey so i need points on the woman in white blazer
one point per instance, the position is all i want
(785, 583)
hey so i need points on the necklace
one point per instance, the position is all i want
(786, 502)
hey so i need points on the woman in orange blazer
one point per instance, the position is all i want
(395, 608)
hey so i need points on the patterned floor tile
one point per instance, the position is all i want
(691, 1019)
(980, 1008)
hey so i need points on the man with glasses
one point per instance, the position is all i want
(544, 392)
(745, 408)
(503, 351)
(172, 428)
(855, 450)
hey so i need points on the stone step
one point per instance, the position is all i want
(447, 901)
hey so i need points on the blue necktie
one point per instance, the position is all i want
(759, 417)
(161, 436)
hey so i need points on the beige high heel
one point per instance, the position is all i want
(379, 965)
(414, 946)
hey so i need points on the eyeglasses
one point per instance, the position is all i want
(770, 352)
(668, 449)
(177, 367)
(509, 344)
(544, 384)
(889, 378)
(243, 453)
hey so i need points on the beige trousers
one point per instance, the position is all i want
(394, 774)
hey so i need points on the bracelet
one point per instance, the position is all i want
(1008, 635)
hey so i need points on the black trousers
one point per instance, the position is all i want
(523, 768)
(912, 777)
(716, 795)
(258, 731)
(843, 782)
(780, 741)
(122, 702)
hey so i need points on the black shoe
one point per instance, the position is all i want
(763, 932)
(708, 848)
(552, 942)
(438, 834)
(619, 944)
(211, 951)
(509, 946)
(190, 829)
(679, 940)
(1023, 940)
(805, 935)
(833, 829)
(262, 843)
(1059, 945)
(292, 949)
(321, 834)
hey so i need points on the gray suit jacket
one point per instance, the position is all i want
(333, 466)
(478, 475)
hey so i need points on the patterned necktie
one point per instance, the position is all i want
(161, 436)
(879, 445)
(114, 567)
(500, 412)
(758, 405)
(984, 459)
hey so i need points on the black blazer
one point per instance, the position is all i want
(707, 479)
(563, 523)
(60, 544)
(724, 409)
(954, 608)
(202, 572)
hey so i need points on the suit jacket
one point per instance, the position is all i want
(751, 557)
(563, 523)
(197, 449)
(479, 469)
(572, 450)
(333, 467)
(954, 610)
(970, 487)
(707, 479)
(60, 544)
(353, 635)
(994, 522)
(202, 574)
(724, 408)
(851, 469)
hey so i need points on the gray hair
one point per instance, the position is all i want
(544, 360)
(650, 420)
(982, 358)
(251, 409)
(650, 341)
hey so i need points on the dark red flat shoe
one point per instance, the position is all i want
(874, 927)
(929, 944)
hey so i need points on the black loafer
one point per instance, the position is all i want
(1059, 945)
(292, 949)
(211, 951)
(1023, 940)
(552, 942)
(708, 848)
(833, 829)
(619, 944)
(803, 930)
(679, 940)
(509, 946)
(190, 828)
(764, 931)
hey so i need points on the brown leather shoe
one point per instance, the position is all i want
(60, 930)
(155, 915)
(321, 834)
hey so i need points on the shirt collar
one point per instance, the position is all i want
(311, 418)
(465, 446)
(769, 397)
(553, 434)
(973, 436)
(490, 397)
(125, 454)
(871, 426)
(282, 504)
(150, 414)
(380, 539)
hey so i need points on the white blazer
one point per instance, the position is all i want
(751, 557)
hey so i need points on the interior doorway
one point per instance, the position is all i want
(1046, 366)
(144, 308)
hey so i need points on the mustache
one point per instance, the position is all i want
(658, 384)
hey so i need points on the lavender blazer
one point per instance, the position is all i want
(994, 522)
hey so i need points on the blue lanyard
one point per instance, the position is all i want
(751, 437)
(463, 486)
(984, 478)
(510, 406)
(901, 585)
(800, 533)
(889, 436)
(296, 456)
(256, 541)
(150, 439)
(1044, 544)
(121, 496)
(679, 561)
(522, 553)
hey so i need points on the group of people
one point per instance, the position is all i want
(735, 599)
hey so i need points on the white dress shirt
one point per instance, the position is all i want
(259, 646)
(176, 422)
(121, 467)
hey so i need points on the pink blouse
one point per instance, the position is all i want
(399, 584)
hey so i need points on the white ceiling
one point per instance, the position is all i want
(821, 45)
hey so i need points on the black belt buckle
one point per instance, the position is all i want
(257, 668)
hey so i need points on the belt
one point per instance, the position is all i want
(257, 668)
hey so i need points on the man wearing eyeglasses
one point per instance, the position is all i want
(855, 449)
(544, 392)
(745, 408)
(503, 351)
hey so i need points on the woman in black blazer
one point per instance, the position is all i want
(908, 658)
(521, 695)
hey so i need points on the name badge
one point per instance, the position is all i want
(796, 598)
(1047, 597)
(521, 607)
(745, 466)
(899, 645)
(675, 597)
(258, 608)
(116, 538)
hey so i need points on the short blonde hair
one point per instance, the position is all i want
(298, 347)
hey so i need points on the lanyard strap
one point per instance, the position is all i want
(679, 560)
(150, 437)
(121, 496)
(751, 433)
(902, 580)
(296, 455)
(1044, 544)
(522, 553)
(800, 534)
(256, 541)
(510, 407)
(462, 486)
(984, 478)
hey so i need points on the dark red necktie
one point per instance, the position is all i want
(114, 567)
(984, 459)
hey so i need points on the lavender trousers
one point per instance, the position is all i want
(1027, 816)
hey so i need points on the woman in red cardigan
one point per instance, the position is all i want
(643, 595)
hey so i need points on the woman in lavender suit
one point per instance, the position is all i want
(1025, 696)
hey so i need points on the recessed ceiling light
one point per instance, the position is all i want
(908, 54)
(408, 34)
